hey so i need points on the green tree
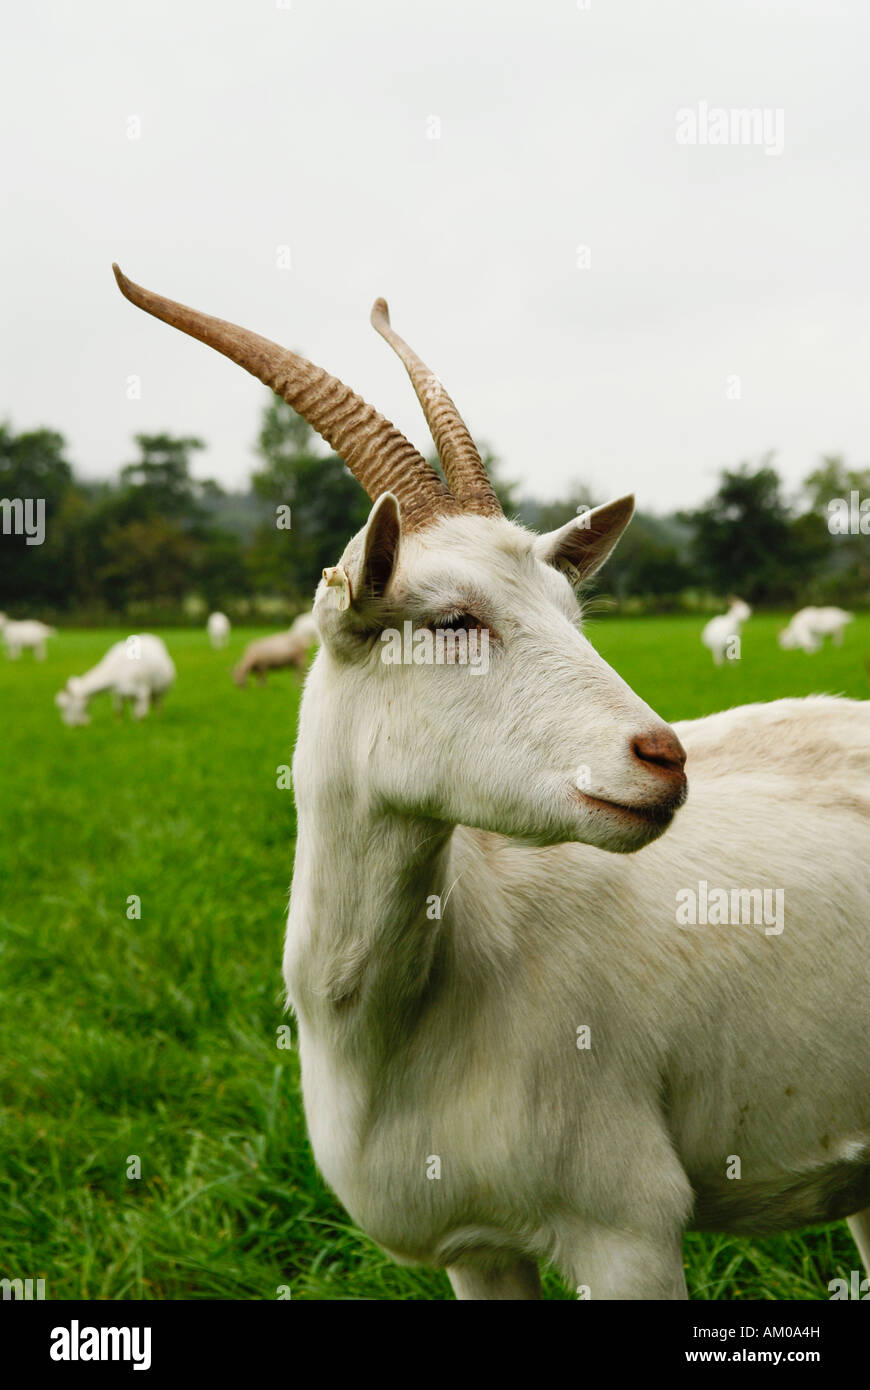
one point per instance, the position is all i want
(326, 505)
(846, 576)
(33, 466)
(648, 561)
(833, 478)
(159, 482)
(147, 559)
(744, 540)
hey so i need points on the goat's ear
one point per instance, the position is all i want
(380, 549)
(365, 574)
(581, 547)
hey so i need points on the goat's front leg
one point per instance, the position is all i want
(518, 1280)
(620, 1265)
(859, 1225)
(142, 705)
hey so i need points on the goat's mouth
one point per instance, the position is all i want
(649, 813)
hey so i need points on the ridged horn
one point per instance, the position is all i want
(377, 454)
(463, 466)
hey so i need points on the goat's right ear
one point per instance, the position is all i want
(368, 577)
(381, 547)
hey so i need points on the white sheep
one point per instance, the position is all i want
(26, 633)
(722, 634)
(138, 669)
(218, 626)
(810, 626)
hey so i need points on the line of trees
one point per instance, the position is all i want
(161, 545)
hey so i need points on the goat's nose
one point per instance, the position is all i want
(662, 749)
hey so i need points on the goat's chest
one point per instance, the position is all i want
(413, 1168)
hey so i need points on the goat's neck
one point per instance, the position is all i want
(365, 931)
(98, 679)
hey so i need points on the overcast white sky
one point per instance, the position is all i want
(307, 126)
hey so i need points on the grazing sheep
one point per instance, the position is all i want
(218, 629)
(810, 626)
(288, 648)
(27, 633)
(139, 669)
(722, 631)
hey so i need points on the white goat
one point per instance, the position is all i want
(511, 1050)
(138, 669)
(722, 632)
(281, 649)
(304, 629)
(26, 633)
(218, 629)
(810, 626)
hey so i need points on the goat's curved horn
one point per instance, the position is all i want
(378, 454)
(463, 466)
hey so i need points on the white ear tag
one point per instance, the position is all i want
(337, 578)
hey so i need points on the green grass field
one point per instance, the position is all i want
(156, 1037)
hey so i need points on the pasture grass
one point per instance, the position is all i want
(156, 1036)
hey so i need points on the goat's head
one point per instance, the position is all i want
(72, 703)
(453, 657)
(738, 611)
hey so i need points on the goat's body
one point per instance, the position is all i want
(281, 649)
(810, 626)
(138, 669)
(551, 1151)
(722, 634)
(445, 978)
(218, 627)
(28, 633)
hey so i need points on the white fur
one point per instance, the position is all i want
(452, 1035)
(218, 626)
(138, 669)
(28, 633)
(810, 626)
(722, 631)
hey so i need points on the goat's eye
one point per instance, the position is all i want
(457, 622)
